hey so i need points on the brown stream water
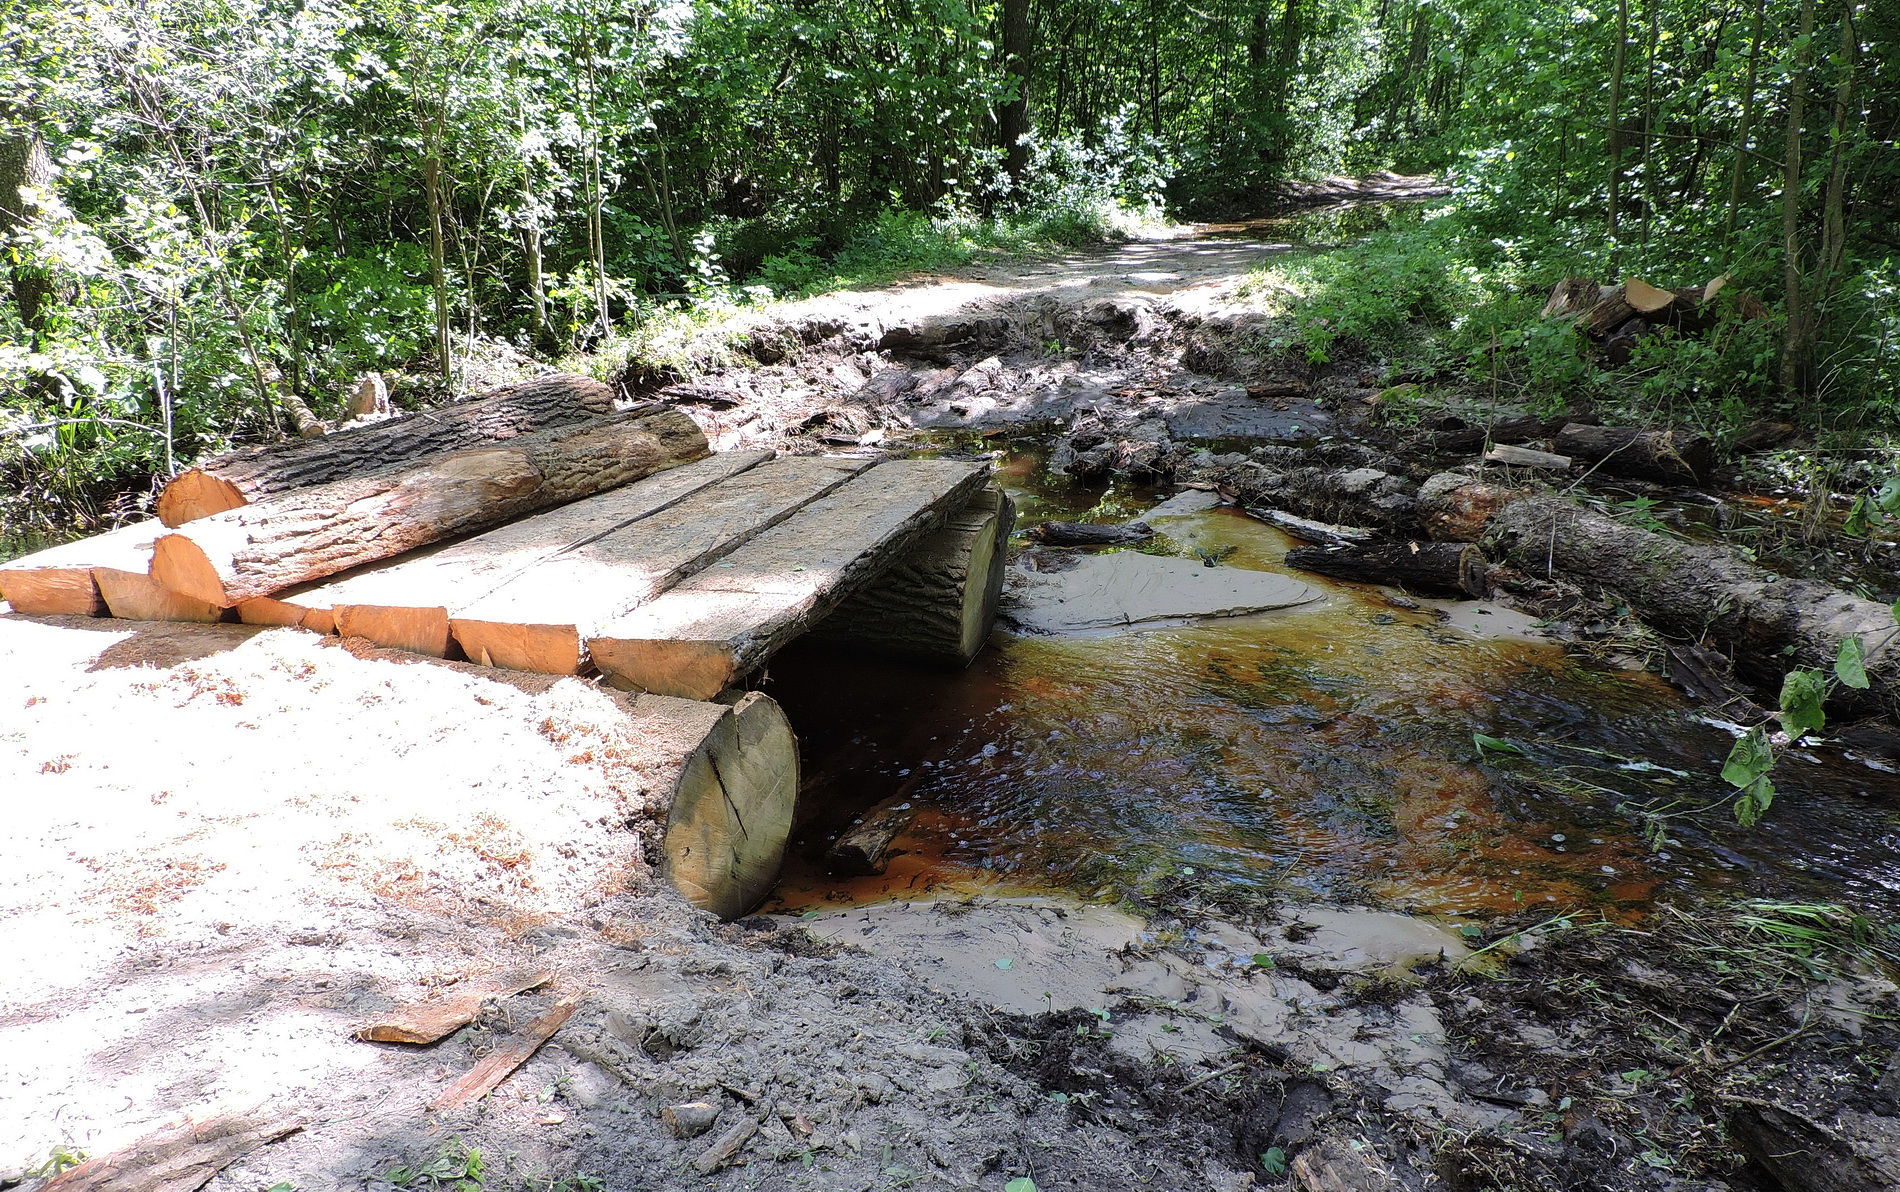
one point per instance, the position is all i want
(1327, 748)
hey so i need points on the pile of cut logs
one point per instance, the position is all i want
(540, 528)
(1619, 316)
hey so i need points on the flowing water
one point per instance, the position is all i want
(1328, 748)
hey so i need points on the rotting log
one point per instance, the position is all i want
(1371, 497)
(1667, 456)
(719, 625)
(939, 603)
(262, 549)
(540, 620)
(1417, 566)
(246, 476)
(408, 603)
(58, 581)
(1454, 507)
(1768, 622)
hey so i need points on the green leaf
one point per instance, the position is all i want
(1888, 498)
(1496, 744)
(1850, 666)
(1274, 1160)
(1802, 694)
(1756, 798)
(1005, 964)
(1021, 1183)
(1751, 758)
(1262, 960)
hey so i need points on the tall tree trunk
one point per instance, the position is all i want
(24, 164)
(1794, 342)
(1012, 121)
(1617, 62)
(1649, 125)
(1834, 202)
(438, 268)
(1740, 172)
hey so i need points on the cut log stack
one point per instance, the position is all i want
(538, 529)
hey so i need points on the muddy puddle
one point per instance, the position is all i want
(1327, 748)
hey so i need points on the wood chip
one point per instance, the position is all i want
(178, 1158)
(511, 1054)
(426, 1022)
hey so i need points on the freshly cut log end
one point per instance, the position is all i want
(698, 666)
(1453, 567)
(733, 808)
(939, 604)
(262, 549)
(264, 610)
(136, 596)
(195, 493)
(58, 581)
(544, 649)
(1456, 508)
(418, 630)
(248, 475)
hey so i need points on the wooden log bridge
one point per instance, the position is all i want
(617, 545)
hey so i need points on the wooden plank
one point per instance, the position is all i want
(539, 620)
(136, 596)
(495, 1067)
(696, 639)
(406, 603)
(316, 532)
(1526, 457)
(426, 1022)
(58, 581)
(178, 1158)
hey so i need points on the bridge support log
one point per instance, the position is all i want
(939, 604)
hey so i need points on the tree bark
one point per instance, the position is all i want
(1739, 173)
(1691, 591)
(1451, 567)
(1012, 123)
(24, 163)
(1617, 60)
(305, 535)
(254, 473)
(1794, 343)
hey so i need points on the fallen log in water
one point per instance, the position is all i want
(260, 550)
(865, 847)
(1769, 622)
(249, 475)
(939, 603)
(1666, 456)
(1454, 567)
(1057, 533)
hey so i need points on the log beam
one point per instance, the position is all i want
(249, 475)
(1452, 567)
(260, 550)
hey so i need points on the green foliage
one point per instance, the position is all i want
(456, 1167)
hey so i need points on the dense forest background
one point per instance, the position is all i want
(217, 211)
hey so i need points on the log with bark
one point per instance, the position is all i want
(260, 550)
(1769, 622)
(1415, 565)
(1057, 533)
(1360, 496)
(1527, 457)
(711, 629)
(246, 476)
(939, 603)
(409, 603)
(1666, 456)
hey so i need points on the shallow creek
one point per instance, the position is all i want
(1327, 748)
